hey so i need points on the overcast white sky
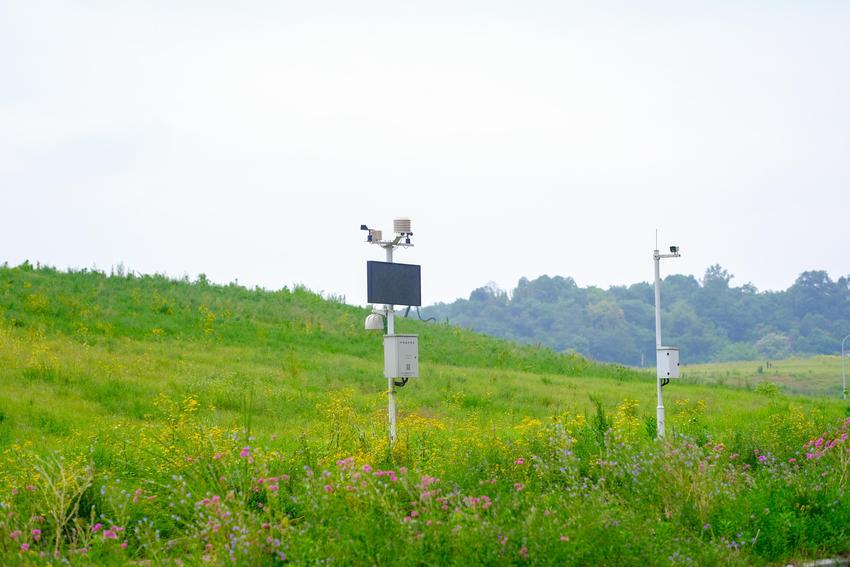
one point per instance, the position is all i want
(250, 140)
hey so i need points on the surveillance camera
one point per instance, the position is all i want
(374, 322)
(674, 249)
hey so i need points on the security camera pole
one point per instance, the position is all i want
(667, 358)
(373, 322)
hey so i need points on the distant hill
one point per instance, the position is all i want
(709, 319)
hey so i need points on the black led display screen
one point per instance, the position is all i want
(393, 284)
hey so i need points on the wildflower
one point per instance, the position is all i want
(96, 528)
(245, 453)
(792, 460)
(25, 547)
(707, 527)
(518, 486)
(519, 461)
(36, 534)
(110, 534)
(523, 551)
(565, 538)
(762, 458)
(367, 469)
(329, 488)
(123, 545)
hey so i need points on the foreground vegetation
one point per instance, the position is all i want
(144, 419)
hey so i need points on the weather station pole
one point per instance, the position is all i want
(843, 372)
(393, 284)
(667, 358)
(391, 381)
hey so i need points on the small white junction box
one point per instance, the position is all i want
(401, 356)
(667, 362)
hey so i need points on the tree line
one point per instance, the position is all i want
(708, 319)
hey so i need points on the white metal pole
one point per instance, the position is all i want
(391, 380)
(843, 373)
(659, 410)
(657, 258)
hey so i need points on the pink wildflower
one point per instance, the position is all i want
(36, 534)
(96, 528)
(245, 453)
(518, 486)
(25, 547)
(519, 461)
(123, 545)
(15, 534)
(329, 488)
(110, 534)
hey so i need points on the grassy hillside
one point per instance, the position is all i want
(148, 419)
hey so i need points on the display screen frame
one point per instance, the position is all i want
(393, 283)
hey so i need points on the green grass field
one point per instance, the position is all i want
(145, 419)
(816, 376)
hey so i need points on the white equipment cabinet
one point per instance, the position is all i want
(401, 356)
(667, 362)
